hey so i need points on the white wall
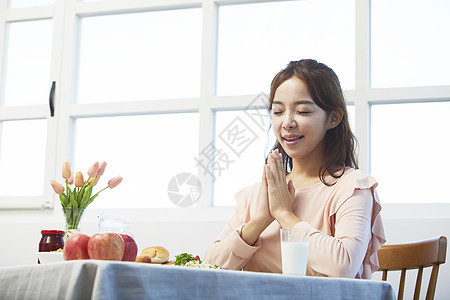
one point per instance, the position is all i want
(193, 230)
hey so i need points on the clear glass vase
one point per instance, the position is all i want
(73, 217)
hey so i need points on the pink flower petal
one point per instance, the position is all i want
(66, 173)
(112, 183)
(79, 180)
(101, 168)
(57, 187)
(93, 170)
(70, 181)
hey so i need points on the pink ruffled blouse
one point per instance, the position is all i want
(342, 224)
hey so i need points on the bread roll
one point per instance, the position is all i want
(158, 254)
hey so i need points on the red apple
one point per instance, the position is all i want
(106, 246)
(76, 247)
(131, 248)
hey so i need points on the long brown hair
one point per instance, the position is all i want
(325, 89)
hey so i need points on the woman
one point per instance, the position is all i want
(310, 182)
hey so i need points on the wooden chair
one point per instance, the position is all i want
(417, 255)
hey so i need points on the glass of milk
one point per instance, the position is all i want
(294, 252)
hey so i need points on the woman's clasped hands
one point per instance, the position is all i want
(277, 196)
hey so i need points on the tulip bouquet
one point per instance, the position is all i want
(75, 200)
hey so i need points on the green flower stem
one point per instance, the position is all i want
(100, 191)
(73, 217)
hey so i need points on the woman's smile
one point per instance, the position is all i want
(291, 139)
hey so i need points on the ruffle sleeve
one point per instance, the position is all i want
(357, 180)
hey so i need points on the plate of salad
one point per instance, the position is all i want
(189, 260)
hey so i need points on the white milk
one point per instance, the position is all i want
(294, 257)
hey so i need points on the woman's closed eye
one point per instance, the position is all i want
(301, 112)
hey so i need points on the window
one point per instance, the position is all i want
(410, 43)
(408, 50)
(166, 91)
(351, 116)
(410, 151)
(147, 151)
(250, 53)
(22, 149)
(28, 62)
(149, 55)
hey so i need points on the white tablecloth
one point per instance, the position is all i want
(94, 279)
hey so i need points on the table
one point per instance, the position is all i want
(95, 279)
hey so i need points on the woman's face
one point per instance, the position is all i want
(298, 123)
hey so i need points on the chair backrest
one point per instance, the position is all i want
(417, 255)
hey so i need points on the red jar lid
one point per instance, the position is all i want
(53, 231)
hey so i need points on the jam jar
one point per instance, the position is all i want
(51, 240)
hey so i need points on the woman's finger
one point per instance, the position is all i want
(269, 176)
(274, 166)
(291, 188)
(270, 164)
(278, 170)
(264, 180)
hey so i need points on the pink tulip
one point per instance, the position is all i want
(79, 180)
(57, 187)
(70, 181)
(112, 183)
(66, 170)
(93, 170)
(101, 168)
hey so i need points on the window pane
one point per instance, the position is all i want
(410, 151)
(28, 63)
(141, 56)
(147, 151)
(22, 157)
(410, 43)
(251, 53)
(29, 3)
(241, 145)
(351, 116)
